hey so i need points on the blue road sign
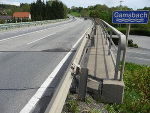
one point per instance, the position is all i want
(130, 17)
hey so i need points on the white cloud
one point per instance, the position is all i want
(9, 2)
(135, 4)
(130, 3)
(86, 3)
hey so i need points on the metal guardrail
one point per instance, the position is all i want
(119, 62)
(60, 95)
(27, 24)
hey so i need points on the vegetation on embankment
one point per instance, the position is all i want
(104, 12)
(136, 96)
(73, 105)
(39, 10)
(137, 91)
(137, 31)
(76, 14)
(130, 42)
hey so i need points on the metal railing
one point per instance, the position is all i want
(119, 61)
(27, 24)
(59, 97)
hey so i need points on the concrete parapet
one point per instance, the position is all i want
(112, 91)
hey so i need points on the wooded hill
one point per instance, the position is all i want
(10, 9)
(39, 10)
(104, 12)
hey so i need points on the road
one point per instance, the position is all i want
(28, 56)
(139, 55)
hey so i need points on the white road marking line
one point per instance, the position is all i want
(37, 96)
(139, 58)
(40, 39)
(136, 57)
(138, 52)
(22, 35)
(28, 33)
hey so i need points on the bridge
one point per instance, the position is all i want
(40, 63)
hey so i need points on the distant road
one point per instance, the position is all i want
(29, 55)
(139, 55)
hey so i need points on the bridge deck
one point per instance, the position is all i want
(100, 63)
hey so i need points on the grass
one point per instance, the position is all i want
(73, 105)
(137, 91)
(75, 14)
(136, 96)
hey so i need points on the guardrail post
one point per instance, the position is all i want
(123, 65)
(106, 32)
(110, 42)
(82, 84)
(92, 41)
(95, 30)
(117, 61)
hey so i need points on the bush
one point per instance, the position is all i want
(75, 14)
(136, 31)
(137, 90)
(130, 42)
(2, 21)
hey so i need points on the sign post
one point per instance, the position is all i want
(128, 32)
(130, 17)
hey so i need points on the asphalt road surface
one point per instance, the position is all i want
(29, 55)
(139, 55)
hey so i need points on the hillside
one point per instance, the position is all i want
(10, 9)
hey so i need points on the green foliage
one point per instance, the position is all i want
(24, 7)
(137, 90)
(50, 10)
(97, 11)
(94, 14)
(89, 100)
(105, 13)
(75, 14)
(95, 111)
(137, 31)
(2, 21)
(72, 106)
(84, 13)
(38, 10)
(130, 42)
(76, 9)
(10, 9)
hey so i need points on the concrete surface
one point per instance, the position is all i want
(112, 91)
(101, 72)
(139, 55)
(100, 64)
(26, 61)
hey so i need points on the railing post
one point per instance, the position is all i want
(83, 84)
(106, 34)
(123, 64)
(95, 30)
(117, 61)
(110, 42)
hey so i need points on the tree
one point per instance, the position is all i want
(84, 13)
(94, 14)
(25, 7)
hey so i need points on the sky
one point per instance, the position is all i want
(135, 4)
